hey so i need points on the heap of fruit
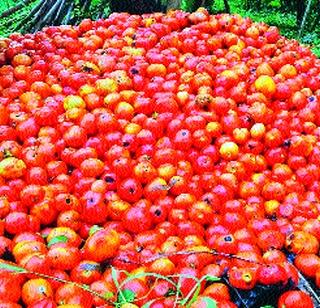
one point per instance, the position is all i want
(143, 156)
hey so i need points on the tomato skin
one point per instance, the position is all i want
(138, 287)
(295, 299)
(70, 294)
(131, 216)
(86, 272)
(272, 274)
(302, 242)
(45, 303)
(36, 289)
(94, 209)
(242, 278)
(218, 291)
(7, 304)
(101, 245)
(8, 293)
(27, 247)
(63, 258)
(130, 190)
(188, 283)
(308, 264)
(203, 302)
(271, 239)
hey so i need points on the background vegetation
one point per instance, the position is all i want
(299, 19)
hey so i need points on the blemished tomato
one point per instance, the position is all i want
(242, 278)
(35, 290)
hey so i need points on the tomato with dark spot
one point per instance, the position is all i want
(130, 190)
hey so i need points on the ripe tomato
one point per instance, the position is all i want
(295, 299)
(70, 294)
(8, 293)
(101, 245)
(86, 272)
(272, 274)
(307, 263)
(242, 278)
(36, 289)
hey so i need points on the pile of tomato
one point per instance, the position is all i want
(139, 154)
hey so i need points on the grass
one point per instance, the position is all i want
(5, 4)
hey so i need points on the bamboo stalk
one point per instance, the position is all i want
(56, 20)
(24, 21)
(46, 20)
(304, 19)
(68, 15)
(46, 5)
(14, 9)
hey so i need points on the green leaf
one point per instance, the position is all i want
(94, 229)
(57, 239)
(267, 306)
(210, 302)
(12, 268)
(127, 296)
(275, 3)
(108, 295)
(211, 278)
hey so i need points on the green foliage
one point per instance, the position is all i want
(125, 296)
(5, 4)
(274, 12)
(12, 268)
(58, 239)
(8, 24)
